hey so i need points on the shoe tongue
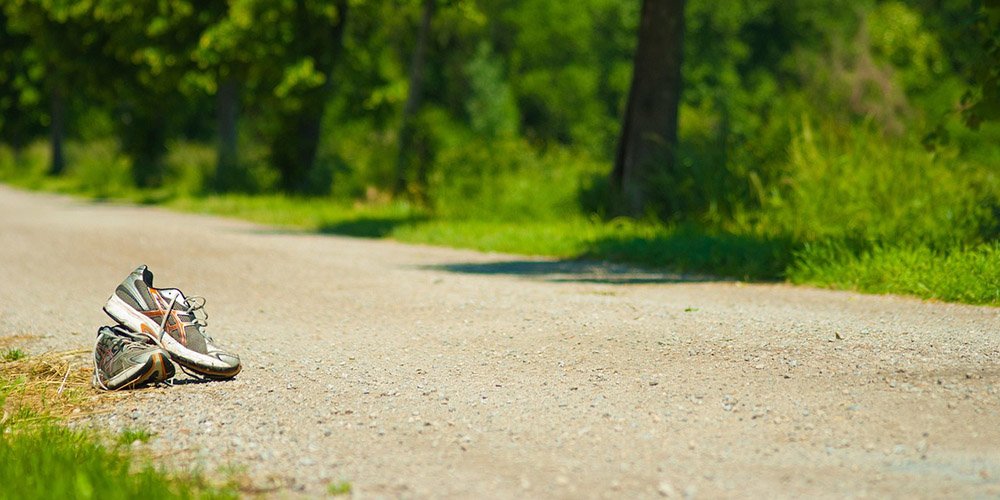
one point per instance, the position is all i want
(122, 332)
(147, 275)
(170, 293)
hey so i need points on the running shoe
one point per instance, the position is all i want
(167, 317)
(124, 360)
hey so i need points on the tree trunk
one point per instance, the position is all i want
(648, 143)
(414, 97)
(294, 151)
(57, 130)
(227, 115)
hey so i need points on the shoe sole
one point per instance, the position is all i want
(195, 361)
(156, 369)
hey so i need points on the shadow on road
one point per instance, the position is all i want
(195, 381)
(361, 227)
(370, 227)
(572, 271)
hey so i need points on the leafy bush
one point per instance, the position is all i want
(189, 167)
(960, 274)
(858, 185)
(507, 179)
(99, 168)
(31, 162)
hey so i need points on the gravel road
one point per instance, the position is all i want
(413, 371)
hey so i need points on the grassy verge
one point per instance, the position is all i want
(962, 274)
(970, 275)
(967, 274)
(648, 243)
(40, 457)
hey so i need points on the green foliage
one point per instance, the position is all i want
(898, 37)
(506, 179)
(853, 184)
(99, 168)
(804, 125)
(49, 460)
(959, 274)
(11, 355)
(131, 435)
(28, 162)
(983, 99)
(21, 105)
(40, 457)
(339, 488)
(189, 168)
(491, 107)
(570, 67)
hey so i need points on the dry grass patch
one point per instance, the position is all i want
(40, 457)
(14, 341)
(46, 386)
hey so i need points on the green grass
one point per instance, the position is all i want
(11, 354)
(649, 243)
(40, 457)
(846, 209)
(130, 435)
(339, 488)
(49, 460)
(970, 275)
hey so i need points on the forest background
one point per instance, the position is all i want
(850, 144)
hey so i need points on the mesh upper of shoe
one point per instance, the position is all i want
(194, 336)
(117, 350)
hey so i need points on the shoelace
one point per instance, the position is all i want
(197, 303)
(194, 303)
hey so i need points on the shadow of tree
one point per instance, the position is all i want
(195, 381)
(739, 256)
(681, 256)
(370, 227)
(571, 271)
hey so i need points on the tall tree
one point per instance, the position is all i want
(414, 96)
(57, 128)
(648, 143)
(983, 101)
(56, 52)
(221, 61)
(21, 106)
(227, 110)
(318, 43)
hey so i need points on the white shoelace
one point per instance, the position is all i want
(194, 303)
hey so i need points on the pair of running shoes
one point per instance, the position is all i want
(156, 328)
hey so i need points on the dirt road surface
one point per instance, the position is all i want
(412, 371)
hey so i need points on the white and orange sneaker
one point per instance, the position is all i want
(167, 317)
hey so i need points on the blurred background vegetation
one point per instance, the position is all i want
(841, 143)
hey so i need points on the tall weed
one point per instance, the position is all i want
(861, 186)
(99, 168)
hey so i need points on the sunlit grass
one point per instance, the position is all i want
(131, 435)
(40, 457)
(339, 488)
(970, 275)
(11, 354)
(919, 225)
